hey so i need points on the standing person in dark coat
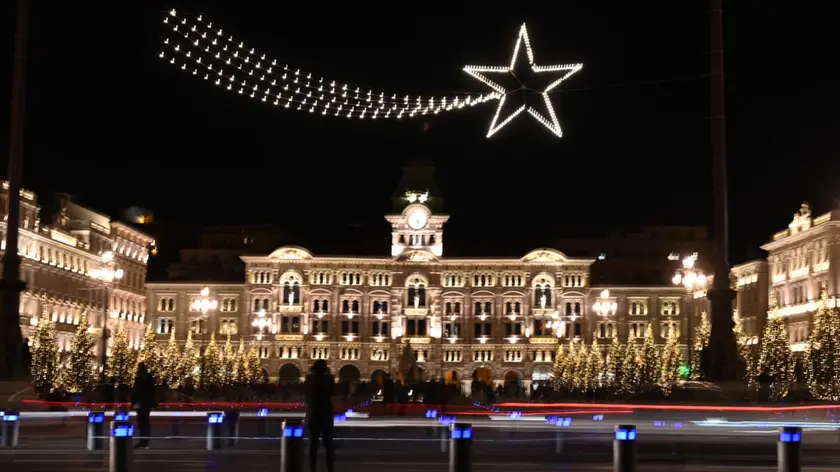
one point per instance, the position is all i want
(143, 400)
(320, 389)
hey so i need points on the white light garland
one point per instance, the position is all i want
(551, 122)
(196, 47)
(219, 58)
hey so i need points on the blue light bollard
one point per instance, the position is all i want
(215, 420)
(790, 449)
(95, 430)
(10, 425)
(122, 416)
(460, 451)
(119, 456)
(624, 448)
(232, 422)
(262, 422)
(291, 447)
(558, 433)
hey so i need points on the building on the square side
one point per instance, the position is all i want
(801, 261)
(496, 319)
(81, 264)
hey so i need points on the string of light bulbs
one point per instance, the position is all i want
(213, 56)
(197, 47)
(239, 55)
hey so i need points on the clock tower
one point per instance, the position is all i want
(416, 224)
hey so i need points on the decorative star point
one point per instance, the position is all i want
(551, 122)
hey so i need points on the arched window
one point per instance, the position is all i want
(287, 290)
(257, 304)
(577, 308)
(457, 307)
(421, 292)
(402, 239)
(411, 293)
(296, 292)
(568, 308)
(517, 308)
(316, 306)
(431, 240)
(325, 305)
(355, 306)
(375, 308)
(448, 308)
(508, 308)
(488, 308)
(345, 306)
(477, 308)
(384, 307)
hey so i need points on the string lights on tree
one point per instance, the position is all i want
(822, 359)
(775, 360)
(150, 355)
(80, 371)
(122, 359)
(45, 356)
(196, 47)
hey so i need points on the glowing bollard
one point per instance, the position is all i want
(121, 448)
(95, 431)
(262, 422)
(291, 447)
(232, 422)
(122, 416)
(558, 434)
(9, 429)
(460, 451)
(624, 448)
(445, 421)
(215, 420)
(790, 452)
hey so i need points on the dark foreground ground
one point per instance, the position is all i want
(385, 444)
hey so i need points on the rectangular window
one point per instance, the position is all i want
(165, 325)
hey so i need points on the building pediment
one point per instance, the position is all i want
(545, 255)
(290, 253)
(417, 256)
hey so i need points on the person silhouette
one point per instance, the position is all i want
(143, 399)
(320, 389)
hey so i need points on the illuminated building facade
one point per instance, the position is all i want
(83, 264)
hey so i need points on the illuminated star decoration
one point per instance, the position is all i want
(551, 122)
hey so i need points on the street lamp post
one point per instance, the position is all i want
(205, 304)
(109, 276)
(692, 279)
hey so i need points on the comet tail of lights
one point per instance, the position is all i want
(197, 47)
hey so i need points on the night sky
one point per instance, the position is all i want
(111, 123)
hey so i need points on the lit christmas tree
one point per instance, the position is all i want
(570, 362)
(170, 363)
(255, 368)
(822, 358)
(228, 362)
(775, 359)
(615, 365)
(122, 359)
(213, 372)
(594, 366)
(45, 356)
(581, 368)
(671, 361)
(744, 349)
(188, 367)
(649, 363)
(151, 356)
(242, 375)
(630, 376)
(80, 371)
(559, 367)
(701, 341)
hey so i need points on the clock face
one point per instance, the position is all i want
(417, 219)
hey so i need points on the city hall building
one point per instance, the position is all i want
(498, 320)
